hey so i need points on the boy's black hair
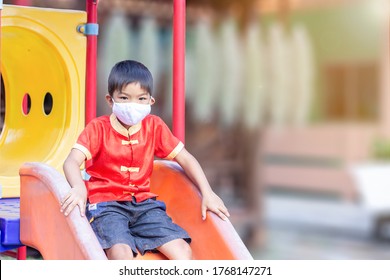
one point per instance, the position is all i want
(129, 71)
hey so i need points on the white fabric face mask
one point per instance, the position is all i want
(130, 113)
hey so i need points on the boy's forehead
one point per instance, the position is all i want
(132, 88)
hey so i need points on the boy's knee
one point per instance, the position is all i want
(177, 249)
(186, 251)
(120, 252)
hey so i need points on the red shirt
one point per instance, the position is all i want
(120, 160)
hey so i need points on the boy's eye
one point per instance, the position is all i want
(142, 98)
(123, 97)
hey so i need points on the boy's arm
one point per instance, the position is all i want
(78, 193)
(210, 201)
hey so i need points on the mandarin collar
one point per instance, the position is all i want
(118, 127)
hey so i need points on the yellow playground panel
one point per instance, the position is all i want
(43, 69)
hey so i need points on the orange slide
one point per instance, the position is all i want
(45, 228)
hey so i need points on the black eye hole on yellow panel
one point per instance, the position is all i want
(26, 104)
(48, 103)
(2, 104)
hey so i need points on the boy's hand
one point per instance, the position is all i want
(212, 202)
(75, 197)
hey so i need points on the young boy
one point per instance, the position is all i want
(119, 150)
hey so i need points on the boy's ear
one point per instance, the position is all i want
(152, 100)
(109, 100)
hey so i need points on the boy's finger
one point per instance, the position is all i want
(221, 215)
(70, 208)
(82, 209)
(64, 205)
(204, 209)
(65, 198)
(225, 212)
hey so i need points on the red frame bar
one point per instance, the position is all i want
(179, 37)
(179, 46)
(91, 64)
(23, 2)
(20, 254)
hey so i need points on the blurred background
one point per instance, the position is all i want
(286, 110)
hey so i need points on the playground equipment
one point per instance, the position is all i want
(42, 118)
(43, 66)
(44, 225)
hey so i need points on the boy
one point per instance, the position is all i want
(120, 150)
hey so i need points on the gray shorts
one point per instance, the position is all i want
(144, 226)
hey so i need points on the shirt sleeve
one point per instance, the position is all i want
(87, 141)
(167, 145)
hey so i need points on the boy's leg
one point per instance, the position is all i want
(111, 226)
(177, 249)
(155, 230)
(119, 252)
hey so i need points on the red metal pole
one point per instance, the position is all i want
(23, 2)
(21, 253)
(1, 35)
(90, 79)
(179, 45)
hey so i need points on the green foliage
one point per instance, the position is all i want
(381, 149)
